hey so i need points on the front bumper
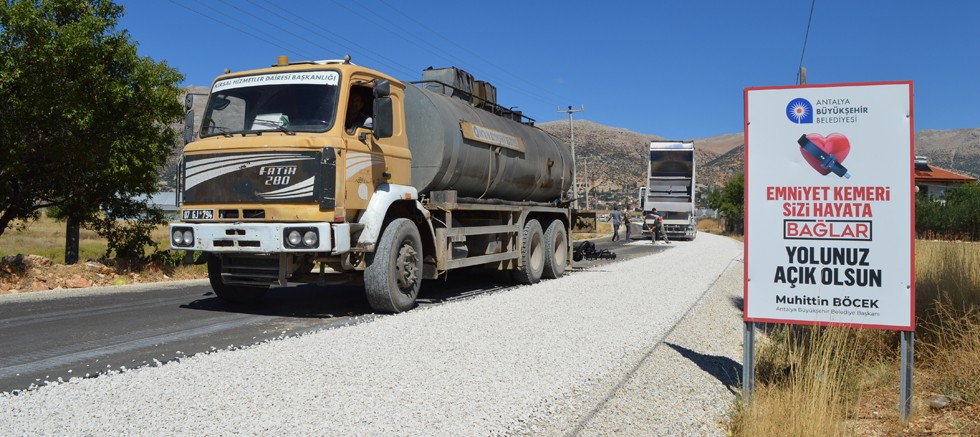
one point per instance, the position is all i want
(673, 230)
(260, 237)
(680, 231)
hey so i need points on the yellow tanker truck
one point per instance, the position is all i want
(327, 172)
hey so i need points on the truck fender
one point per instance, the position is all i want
(374, 216)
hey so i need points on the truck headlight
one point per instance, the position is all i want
(301, 238)
(294, 238)
(182, 237)
(310, 239)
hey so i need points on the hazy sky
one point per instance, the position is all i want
(671, 68)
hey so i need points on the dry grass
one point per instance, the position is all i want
(948, 270)
(948, 335)
(46, 237)
(710, 225)
(715, 226)
(811, 372)
(856, 392)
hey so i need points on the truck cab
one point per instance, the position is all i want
(282, 170)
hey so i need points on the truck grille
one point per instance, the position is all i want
(246, 214)
(239, 243)
(250, 270)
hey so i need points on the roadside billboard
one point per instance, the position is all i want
(829, 205)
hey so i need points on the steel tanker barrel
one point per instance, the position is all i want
(456, 146)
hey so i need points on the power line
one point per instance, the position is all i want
(413, 34)
(320, 31)
(264, 21)
(282, 45)
(289, 50)
(351, 46)
(392, 24)
(477, 56)
(805, 38)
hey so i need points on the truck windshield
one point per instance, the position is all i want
(290, 102)
(671, 163)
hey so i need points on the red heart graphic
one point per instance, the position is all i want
(835, 144)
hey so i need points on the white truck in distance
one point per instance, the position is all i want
(670, 186)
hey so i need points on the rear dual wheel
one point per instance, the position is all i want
(556, 251)
(532, 258)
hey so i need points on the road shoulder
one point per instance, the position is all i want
(684, 385)
(61, 293)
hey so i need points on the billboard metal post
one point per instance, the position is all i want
(748, 361)
(905, 392)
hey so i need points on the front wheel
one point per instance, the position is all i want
(394, 273)
(231, 293)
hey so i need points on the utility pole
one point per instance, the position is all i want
(588, 181)
(571, 135)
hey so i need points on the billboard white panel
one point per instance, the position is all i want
(829, 207)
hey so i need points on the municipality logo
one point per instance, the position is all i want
(799, 111)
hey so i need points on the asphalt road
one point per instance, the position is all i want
(58, 335)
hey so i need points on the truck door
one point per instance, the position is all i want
(371, 161)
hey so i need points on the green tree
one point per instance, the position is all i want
(956, 216)
(730, 203)
(85, 120)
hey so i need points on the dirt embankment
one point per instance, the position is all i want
(26, 273)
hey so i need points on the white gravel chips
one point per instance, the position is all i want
(542, 359)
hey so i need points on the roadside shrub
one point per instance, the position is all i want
(730, 203)
(955, 217)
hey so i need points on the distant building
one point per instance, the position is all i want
(165, 200)
(932, 181)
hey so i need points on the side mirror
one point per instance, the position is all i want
(189, 126)
(383, 117)
(188, 101)
(220, 102)
(382, 88)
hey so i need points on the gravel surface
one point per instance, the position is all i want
(596, 352)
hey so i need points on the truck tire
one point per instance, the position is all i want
(394, 272)
(231, 293)
(556, 250)
(532, 254)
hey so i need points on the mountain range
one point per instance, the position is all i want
(616, 157)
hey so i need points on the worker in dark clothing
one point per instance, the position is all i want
(626, 223)
(655, 221)
(615, 217)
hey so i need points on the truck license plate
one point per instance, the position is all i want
(198, 214)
